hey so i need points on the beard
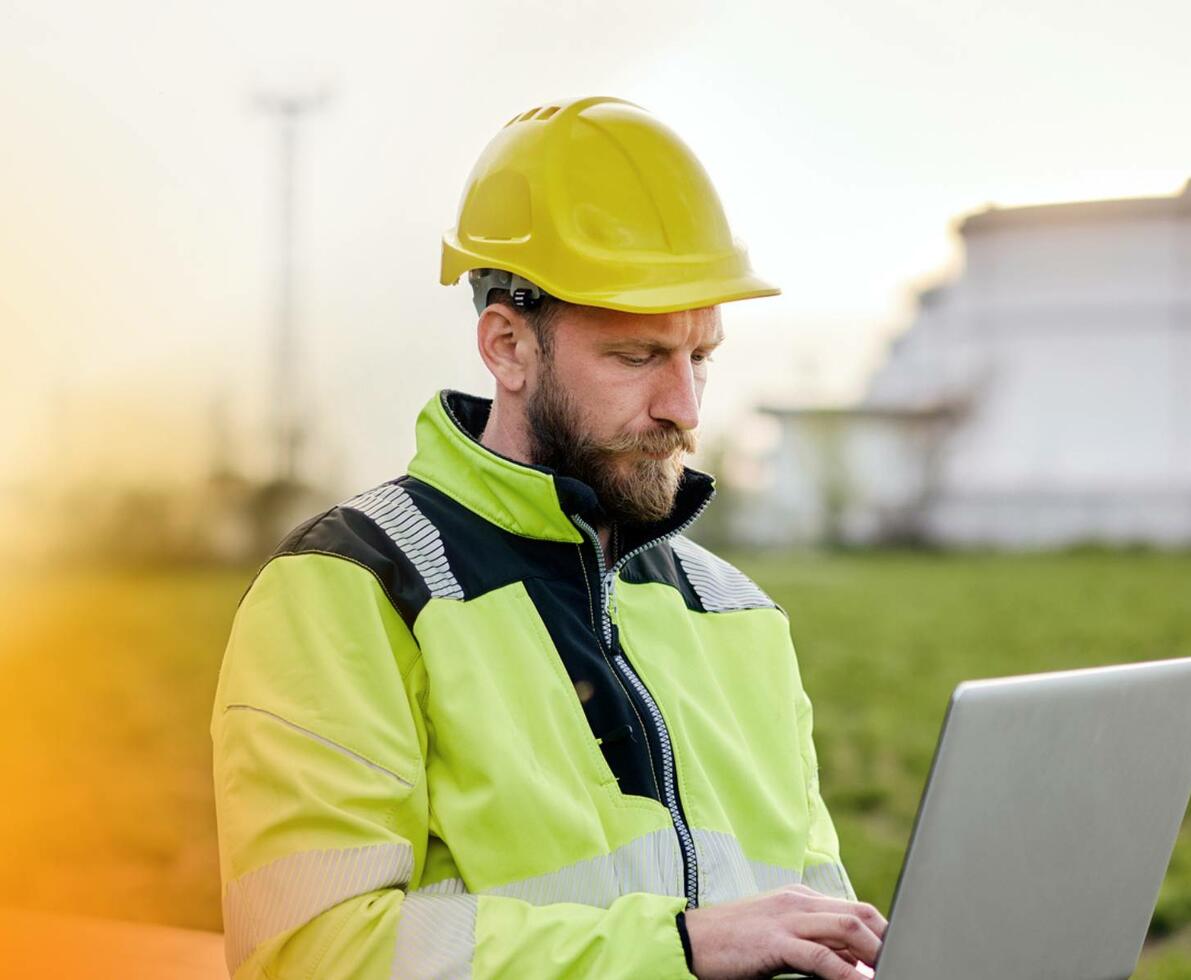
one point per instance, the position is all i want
(631, 487)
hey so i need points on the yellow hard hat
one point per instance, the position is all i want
(596, 202)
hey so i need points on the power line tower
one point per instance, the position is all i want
(288, 424)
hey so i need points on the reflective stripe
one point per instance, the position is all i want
(719, 586)
(448, 886)
(651, 863)
(292, 890)
(830, 879)
(436, 937)
(398, 516)
(724, 872)
(729, 875)
(771, 876)
(322, 740)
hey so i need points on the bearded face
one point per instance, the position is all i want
(635, 475)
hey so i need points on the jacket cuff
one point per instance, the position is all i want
(680, 921)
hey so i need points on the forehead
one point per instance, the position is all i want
(598, 328)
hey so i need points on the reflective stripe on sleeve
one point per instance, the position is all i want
(292, 890)
(436, 937)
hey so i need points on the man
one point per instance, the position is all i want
(500, 716)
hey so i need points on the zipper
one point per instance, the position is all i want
(606, 653)
(669, 786)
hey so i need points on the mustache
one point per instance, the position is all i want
(653, 441)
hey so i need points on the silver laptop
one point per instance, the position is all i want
(1046, 827)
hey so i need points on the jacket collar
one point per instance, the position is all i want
(528, 500)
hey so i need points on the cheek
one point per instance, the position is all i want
(612, 398)
(615, 399)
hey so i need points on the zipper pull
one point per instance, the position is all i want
(610, 594)
(615, 640)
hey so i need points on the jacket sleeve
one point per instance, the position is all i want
(323, 813)
(822, 868)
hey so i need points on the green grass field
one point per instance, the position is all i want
(109, 677)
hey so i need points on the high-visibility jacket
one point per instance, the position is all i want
(453, 738)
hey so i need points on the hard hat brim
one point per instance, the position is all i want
(660, 298)
(684, 296)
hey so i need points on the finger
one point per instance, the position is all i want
(846, 956)
(808, 957)
(841, 931)
(802, 890)
(866, 913)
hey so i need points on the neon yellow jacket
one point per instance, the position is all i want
(452, 740)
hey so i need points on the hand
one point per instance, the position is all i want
(793, 928)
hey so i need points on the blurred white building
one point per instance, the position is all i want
(1041, 398)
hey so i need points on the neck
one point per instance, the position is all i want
(507, 433)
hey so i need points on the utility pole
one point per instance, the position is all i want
(288, 422)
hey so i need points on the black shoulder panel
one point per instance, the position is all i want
(482, 556)
(658, 564)
(420, 543)
(347, 533)
(705, 581)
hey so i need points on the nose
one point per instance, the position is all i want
(677, 396)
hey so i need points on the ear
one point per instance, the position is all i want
(507, 345)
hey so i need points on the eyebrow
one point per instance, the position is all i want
(639, 343)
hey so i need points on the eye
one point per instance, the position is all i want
(633, 361)
(702, 357)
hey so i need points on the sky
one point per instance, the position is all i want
(138, 191)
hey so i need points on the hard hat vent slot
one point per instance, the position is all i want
(537, 112)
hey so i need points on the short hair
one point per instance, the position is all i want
(540, 317)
